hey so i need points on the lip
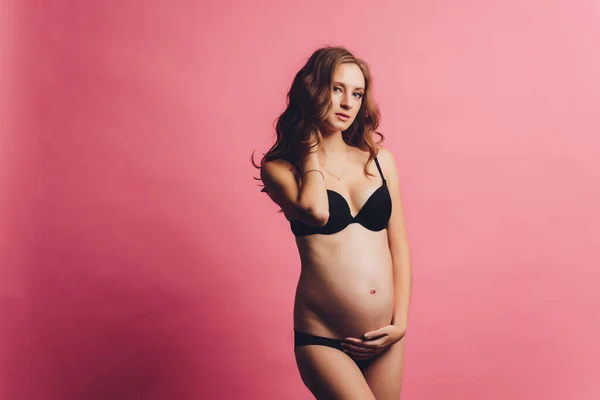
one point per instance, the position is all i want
(342, 116)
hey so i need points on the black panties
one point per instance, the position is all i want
(305, 339)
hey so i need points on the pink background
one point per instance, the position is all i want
(138, 259)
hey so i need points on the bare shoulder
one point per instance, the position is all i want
(386, 159)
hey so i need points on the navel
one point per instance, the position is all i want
(372, 291)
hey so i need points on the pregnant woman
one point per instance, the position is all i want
(340, 191)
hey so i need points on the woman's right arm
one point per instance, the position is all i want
(306, 202)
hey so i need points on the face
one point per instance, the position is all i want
(346, 96)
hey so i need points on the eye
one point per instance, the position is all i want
(359, 94)
(336, 87)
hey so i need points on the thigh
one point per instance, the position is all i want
(384, 373)
(331, 374)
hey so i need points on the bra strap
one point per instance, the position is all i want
(379, 168)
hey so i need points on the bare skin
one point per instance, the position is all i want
(346, 284)
(346, 289)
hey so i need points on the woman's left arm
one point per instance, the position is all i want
(398, 244)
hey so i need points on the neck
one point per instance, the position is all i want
(333, 144)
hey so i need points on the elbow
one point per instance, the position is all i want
(316, 217)
(321, 219)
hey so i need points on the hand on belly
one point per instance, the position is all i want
(374, 342)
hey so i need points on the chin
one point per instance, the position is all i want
(336, 124)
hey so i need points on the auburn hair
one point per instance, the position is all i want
(309, 101)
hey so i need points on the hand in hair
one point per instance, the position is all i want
(312, 145)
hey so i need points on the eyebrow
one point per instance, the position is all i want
(340, 83)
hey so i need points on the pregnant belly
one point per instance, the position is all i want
(348, 299)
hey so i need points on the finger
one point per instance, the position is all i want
(378, 349)
(376, 343)
(352, 339)
(373, 350)
(364, 356)
(369, 345)
(378, 332)
(354, 351)
(375, 335)
(374, 353)
(355, 348)
(381, 349)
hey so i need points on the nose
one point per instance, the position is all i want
(347, 101)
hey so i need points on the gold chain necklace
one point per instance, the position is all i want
(344, 170)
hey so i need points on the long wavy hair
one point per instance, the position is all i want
(309, 101)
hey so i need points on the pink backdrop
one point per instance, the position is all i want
(140, 261)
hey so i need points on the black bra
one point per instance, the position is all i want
(374, 214)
